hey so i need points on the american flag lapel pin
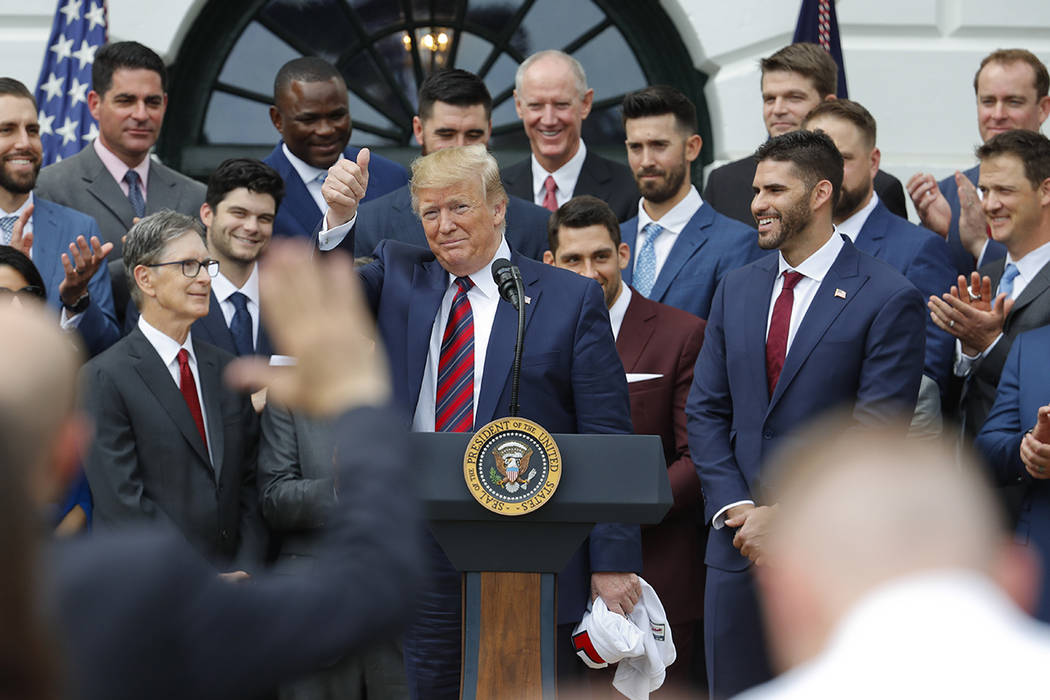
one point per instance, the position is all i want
(840, 293)
(528, 300)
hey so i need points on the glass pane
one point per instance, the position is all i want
(501, 75)
(492, 15)
(472, 52)
(321, 25)
(377, 14)
(434, 44)
(365, 78)
(233, 119)
(604, 128)
(255, 60)
(361, 111)
(433, 10)
(610, 65)
(360, 137)
(552, 24)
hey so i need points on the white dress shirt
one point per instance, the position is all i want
(308, 174)
(619, 309)
(672, 223)
(565, 177)
(851, 227)
(484, 300)
(813, 270)
(168, 349)
(223, 289)
(1027, 268)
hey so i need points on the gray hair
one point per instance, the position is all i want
(574, 65)
(147, 240)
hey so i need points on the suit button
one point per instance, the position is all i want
(225, 534)
(767, 435)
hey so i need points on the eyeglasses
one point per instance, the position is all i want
(29, 292)
(192, 268)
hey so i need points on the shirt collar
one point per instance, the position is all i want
(307, 172)
(816, 266)
(1030, 265)
(851, 227)
(222, 287)
(118, 168)
(676, 219)
(166, 346)
(18, 212)
(619, 309)
(565, 177)
(482, 279)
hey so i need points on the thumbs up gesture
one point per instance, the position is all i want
(345, 187)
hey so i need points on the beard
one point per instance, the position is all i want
(659, 191)
(792, 221)
(19, 185)
(849, 202)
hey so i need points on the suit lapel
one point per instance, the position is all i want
(101, 185)
(211, 386)
(429, 284)
(298, 207)
(869, 239)
(691, 239)
(47, 238)
(1032, 291)
(592, 178)
(161, 192)
(214, 324)
(500, 353)
(753, 308)
(629, 235)
(639, 324)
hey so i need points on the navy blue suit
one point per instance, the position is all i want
(708, 247)
(298, 214)
(921, 256)
(961, 258)
(390, 217)
(54, 228)
(1024, 387)
(859, 346)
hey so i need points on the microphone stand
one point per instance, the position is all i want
(518, 344)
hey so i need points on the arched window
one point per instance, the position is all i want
(222, 80)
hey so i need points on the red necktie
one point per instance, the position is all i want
(549, 200)
(454, 403)
(777, 340)
(189, 392)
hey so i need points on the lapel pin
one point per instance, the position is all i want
(528, 300)
(840, 294)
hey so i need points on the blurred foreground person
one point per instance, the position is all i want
(140, 614)
(890, 574)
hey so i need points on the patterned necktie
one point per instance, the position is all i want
(241, 325)
(188, 387)
(321, 177)
(779, 324)
(549, 200)
(454, 402)
(1006, 284)
(645, 265)
(7, 228)
(135, 193)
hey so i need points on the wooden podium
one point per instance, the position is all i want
(509, 594)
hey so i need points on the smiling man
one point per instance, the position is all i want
(820, 325)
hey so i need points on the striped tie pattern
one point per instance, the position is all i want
(454, 405)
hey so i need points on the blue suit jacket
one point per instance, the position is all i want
(961, 258)
(391, 217)
(1024, 387)
(54, 228)
(572, 380)
(211, 329)
(862, 351)
(922, 256)
(708, 247)
(298, 214)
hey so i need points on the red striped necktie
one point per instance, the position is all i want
(454, 402)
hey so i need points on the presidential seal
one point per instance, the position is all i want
(512, 466)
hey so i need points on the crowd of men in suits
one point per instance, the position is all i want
(723, 323)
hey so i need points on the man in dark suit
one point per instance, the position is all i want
(658, 345)
(173, 444)
(64, 244)
(794, 80)
(429, 303)
(311, 110)
(1011, 86)
(552, 100)
(1015, 180)
(455, 109)
(681, 246)
(819, 325)
(918, 254)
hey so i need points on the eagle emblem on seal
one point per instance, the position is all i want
(512, 461)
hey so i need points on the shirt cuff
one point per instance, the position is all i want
(719, 521)
(964, 363)
(69, 322)
(328, 239)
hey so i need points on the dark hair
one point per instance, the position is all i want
(1042, 78)
(808, 60)
(124, 54)
(455, 87)
(581, 212)
(1031, 147)
(308, 69)
(147, 240)
(813, 154)
(15, 88)
(20, 263)
(254, 175)
(657, 100)
(847, 110)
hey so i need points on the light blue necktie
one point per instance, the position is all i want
(321, 177)
(1006, 284)
(7, 226)
(138, 203)
(645, 265)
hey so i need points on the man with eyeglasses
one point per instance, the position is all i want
(173, 445)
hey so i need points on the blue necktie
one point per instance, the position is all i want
(135, 193)
(7, 226)
(1006, 284)
(241, 325)
(645, 265)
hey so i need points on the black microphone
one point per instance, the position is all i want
(503, 275)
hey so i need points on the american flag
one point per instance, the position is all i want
(66, 125)
(817, 24)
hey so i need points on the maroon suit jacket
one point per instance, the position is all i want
(659, 339)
